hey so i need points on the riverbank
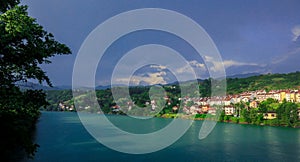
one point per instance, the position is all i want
(236, 120)
(202, 117)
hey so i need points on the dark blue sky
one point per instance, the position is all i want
(252, 36)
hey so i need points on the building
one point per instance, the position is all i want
(253, 104)
(212, 111)
(270, 115)
(229, 110)
(282, 96)
(245, 99)
(204, 108)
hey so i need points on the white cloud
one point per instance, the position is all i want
(187, 71)
(229, 63)
(194, 64)
(151, 79)
(160, 67)
(218, 66)
(296, 32)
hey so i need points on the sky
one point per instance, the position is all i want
(257, 36)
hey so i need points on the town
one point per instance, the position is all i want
(251, 99)
(232, 105)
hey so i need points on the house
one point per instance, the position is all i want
(245, 99)
(130, 104)
(293, 96)
(193, 110)
(229, 110)
(235, 99)
(115, 108)
(253, 104)
(277, 96)
(282, 96)
(215, 101)
(261, 96)
(270, 115)
(175, 108)
(297, 96)
(227, 101)
(212, 111)
(204, 108)
(61, 106)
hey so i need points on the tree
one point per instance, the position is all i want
(7, 4)
(24, 45)
(246, 115)
(287, 113)
(222, 116)
(267, 105)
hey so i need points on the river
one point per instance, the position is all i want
(62, 137)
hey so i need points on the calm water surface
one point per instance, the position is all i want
(62, 137)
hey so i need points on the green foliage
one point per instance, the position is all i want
(24, 45)
(255, 117)
(19, 111)
(201, 116)
(267, 105)
(205, 88)
(273, 122)
(227, 118)
(234, 119)
(245, 116)
(287, 114)
(222, 116)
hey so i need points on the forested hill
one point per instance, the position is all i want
(267, 82)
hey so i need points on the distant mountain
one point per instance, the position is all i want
(64, 87)
(34, 86)
(185, 82)
(103, 87)
(243, 75)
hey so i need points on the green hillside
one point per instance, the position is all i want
(267, 82)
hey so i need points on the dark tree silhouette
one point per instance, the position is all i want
(24, 45)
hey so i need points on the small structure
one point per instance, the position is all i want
(270, 115)
(212, 111)
(229, 110)
(204, 108)
(115, 108)
(245, 99)
(253, 104)
(153, 105)
(175, 108)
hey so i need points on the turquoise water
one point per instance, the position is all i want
(62, 137)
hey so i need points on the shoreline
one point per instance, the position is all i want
(189, 117)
